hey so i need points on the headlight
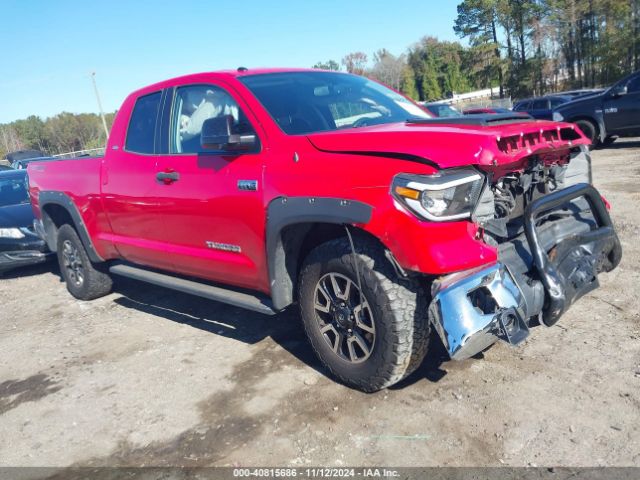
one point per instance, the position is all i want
(447, 195)
(557, 117)
(11, 233)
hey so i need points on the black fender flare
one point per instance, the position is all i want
(50, 197)
(285, 211)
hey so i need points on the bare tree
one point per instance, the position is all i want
(388, 68)
(9, 140)
(355, 62)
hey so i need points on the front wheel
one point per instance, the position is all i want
(84, 281)
(367, 326)
(589, 129)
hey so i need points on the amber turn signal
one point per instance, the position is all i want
(408, 192)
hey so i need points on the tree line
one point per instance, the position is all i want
(524, 47)
(62, 133)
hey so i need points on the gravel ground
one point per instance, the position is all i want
(147, 376)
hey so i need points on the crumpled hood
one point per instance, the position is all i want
(454, 145)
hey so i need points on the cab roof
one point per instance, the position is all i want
(237, 73)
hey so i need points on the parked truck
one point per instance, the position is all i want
(267, 188)
(607, 114)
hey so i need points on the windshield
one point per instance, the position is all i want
(443, 110)
(307, 102)
(13, 190)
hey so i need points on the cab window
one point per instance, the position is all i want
(193, 105)
(541, 104)
(142, 125)
(634, 85)
(556, 102)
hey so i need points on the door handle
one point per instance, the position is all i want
(168, 177)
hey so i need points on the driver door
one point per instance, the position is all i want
(214, 218)
(622, 113)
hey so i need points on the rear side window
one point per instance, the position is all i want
(142, 126)
(556, 102)
(542, 104)
(522, 106)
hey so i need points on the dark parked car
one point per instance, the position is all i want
(4, 167)
(582, 92)
(24, 154)
(22, 164)
(541, 107)
(441, 109)
(19, 244)
(615, 112)
(489, 110)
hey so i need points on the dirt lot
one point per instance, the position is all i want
(146, 376)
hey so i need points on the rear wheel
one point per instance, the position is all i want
(84, 281)
(367, 326)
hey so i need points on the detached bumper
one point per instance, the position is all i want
(472, 310)
(540, 277)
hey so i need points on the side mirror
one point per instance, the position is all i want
(619, 90)
(217, 135)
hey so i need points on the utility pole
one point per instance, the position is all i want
(104, 121)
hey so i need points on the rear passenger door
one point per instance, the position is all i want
(540, 109)
(213, 211)
(130, 189)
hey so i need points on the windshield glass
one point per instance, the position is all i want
(444, 110)
(13, 190)
(306, 102)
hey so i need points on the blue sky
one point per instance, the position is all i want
(52, 46)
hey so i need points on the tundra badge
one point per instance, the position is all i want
(227, 247)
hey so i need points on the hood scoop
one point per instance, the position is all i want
(482, 120)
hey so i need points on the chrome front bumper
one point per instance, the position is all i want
(472, 310)
(540, 273)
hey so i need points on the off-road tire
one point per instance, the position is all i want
(399, 307)
(589, 129)
(96, 283)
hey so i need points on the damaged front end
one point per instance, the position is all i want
(553, 235)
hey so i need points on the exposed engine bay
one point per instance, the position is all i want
(553, 235)
(503, 200)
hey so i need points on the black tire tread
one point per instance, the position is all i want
(96, 283)
(405, 298)
(593, 127)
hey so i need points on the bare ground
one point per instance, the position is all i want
(147, 376)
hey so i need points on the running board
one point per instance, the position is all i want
(231, 297)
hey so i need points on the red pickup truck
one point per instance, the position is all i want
(265, 188)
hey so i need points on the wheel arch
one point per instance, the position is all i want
(295, 225)
(58, 209)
